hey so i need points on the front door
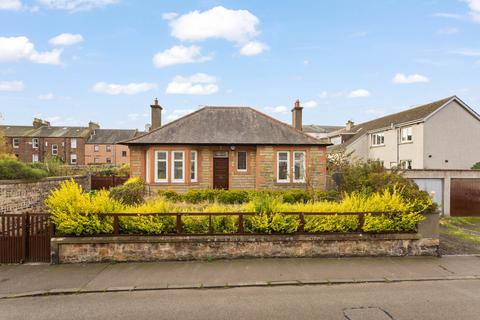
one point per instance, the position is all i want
(220, 173)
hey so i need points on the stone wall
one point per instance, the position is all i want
(163, 248)
(17, 196)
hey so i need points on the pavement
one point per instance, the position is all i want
(31, 280)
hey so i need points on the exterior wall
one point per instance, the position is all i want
(17, 196)
(450, 135)
(260, 173)
(164, 248)
(115, 154)
(25, 151)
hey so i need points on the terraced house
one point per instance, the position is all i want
(103, 146)
(228, 148)
(41, 140)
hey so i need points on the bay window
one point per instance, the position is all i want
(178, 168)
(299, 166)
(193, 166)
(161, 166)
(283, 165)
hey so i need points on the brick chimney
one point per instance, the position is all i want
(93, 125)
(156, 115)
(297, 115)
(349, 125)
(37, 123)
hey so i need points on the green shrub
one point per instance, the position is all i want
(170, 195)
(14, 169)
(333, 223)
(130, 193)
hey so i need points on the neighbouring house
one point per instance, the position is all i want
(319, 131)
(228, 148)
(437, 135)
(103, 146)
(41, 140)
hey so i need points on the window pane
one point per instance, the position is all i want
(162, 170)
(299, 170)
(178, 155)
(282, 156)
(178, 170)
(161, 155)
(193, 166)
(242, 160)
(282, 170)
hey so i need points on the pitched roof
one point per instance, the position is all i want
(226, 125)
(411, 115)
(317, 128)
(110, 136)
(45, 131)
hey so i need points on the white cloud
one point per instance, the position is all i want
(328, 94)
(14, 49)
(310, 104)
(277, 109)
(179, 55)
(197, 84)
(47, 96)
(359, 93)
(474, 6)
(448, 15)
(448, 31)
(237, 26)
(115, 89)
(10, 5)
(11, 86)
(253, 48)
(169, 16)
(466, 52)
(66, 39)
(76, 5)
(401, 78)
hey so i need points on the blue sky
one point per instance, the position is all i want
(71, 61)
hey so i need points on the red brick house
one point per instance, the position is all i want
(229, 148)
(41, 140)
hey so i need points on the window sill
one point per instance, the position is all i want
(377, 146)
(406, 142)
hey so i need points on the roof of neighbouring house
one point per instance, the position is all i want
(227, 125)
(45, 131)
(418, 113)
(111, 136)
(317, 128)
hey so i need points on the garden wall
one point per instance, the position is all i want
(163, 248)
(18, 196)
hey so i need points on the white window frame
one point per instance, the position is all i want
(16, 143)
(287, 180)
(96, 148)
(73, 158)
(374, 138)
(408, 134)
(302, 180)
(173, 167)
(246, 161)
(54, 149)
(73, 143)
(35, 143)
(34, 158)
(108, 148)
(155, 174)
(195, 166)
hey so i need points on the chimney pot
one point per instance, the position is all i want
(349, 125)
(37, 123)
(156, 115)
(297, 115)
(93, 125)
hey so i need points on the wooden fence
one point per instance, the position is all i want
(106, 182)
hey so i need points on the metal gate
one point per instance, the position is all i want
(25, 238)
(465, 197)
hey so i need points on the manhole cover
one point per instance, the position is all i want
(366, 313)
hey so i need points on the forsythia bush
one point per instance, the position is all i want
(74, 212)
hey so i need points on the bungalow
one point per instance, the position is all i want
(228, 148)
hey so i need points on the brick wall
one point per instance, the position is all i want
(25, 150)
(260, 173)
(115, 154)
(18, 196)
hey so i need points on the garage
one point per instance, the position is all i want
(465, 197)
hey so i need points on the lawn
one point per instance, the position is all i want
(460, 235)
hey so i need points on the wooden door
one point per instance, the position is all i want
(220, 173)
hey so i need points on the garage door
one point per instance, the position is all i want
(434, 187)
(465, 197)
